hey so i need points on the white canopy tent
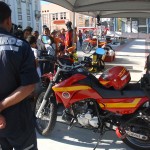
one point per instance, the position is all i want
(107, 8)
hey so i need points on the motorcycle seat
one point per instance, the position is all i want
(132, 90)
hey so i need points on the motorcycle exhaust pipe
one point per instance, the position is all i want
(131, 134)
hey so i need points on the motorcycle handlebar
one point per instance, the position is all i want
(53, 59)
(70, 67)
(47, 58)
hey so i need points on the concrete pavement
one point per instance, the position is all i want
(131, 55)
(78, 139)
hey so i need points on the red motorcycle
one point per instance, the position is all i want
(107, 103)
(90, 44)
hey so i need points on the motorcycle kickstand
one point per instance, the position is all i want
(100, 137)
(71, 124)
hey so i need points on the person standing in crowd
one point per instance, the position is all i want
(46, 31)
(59, 43)
(80, 38)
(33, 43)
(30, 29)
(84, 35)
(51, 50)
(32, 40)
(26, 33)
(55, 40)
(39, 44)
(69, 35)
(36, 34)
(62, 39)
(51, 47)
(18, 76)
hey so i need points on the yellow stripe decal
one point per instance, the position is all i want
(72, 88)
(104, 82)
(121, 105)
(122, 72)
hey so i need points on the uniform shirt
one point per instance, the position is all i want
(17, 68)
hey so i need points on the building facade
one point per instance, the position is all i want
(26, 13)
(134, 25)
(55, 17)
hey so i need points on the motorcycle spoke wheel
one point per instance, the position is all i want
(47, 118)
(138, 126)
(86, 48)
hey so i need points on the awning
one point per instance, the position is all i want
(107, 8)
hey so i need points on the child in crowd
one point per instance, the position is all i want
(32, 41)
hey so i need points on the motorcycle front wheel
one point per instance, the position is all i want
(140, 127)
(46, 121)
(86, 48)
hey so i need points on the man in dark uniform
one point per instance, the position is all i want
(17, 80)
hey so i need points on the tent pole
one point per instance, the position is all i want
(98, 27)
(97, 34)
(73, 24)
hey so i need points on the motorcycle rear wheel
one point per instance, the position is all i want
(138, 144)
(47, 120)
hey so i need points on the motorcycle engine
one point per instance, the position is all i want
(86, 114)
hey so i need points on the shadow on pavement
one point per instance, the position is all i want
(85, 138)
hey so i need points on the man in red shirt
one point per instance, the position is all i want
(69, 35)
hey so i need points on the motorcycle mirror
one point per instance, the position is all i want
(46, 39)
(100, 51)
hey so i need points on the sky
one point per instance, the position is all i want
(43, 2)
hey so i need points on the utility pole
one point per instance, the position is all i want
(131, 24)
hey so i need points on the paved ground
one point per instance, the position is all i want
(132, 55)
